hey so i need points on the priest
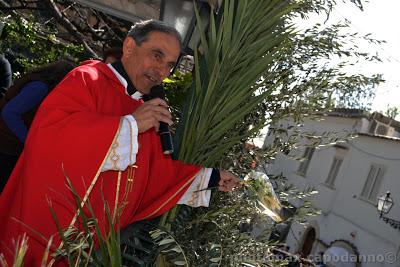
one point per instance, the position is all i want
(95, 132)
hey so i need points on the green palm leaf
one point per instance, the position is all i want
(244, 41)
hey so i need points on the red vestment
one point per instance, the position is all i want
(71, 136)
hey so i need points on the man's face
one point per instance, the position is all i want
(150, 63)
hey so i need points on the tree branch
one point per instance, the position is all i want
(70, 27)
(25, 2)
(87, 28)
(6, 5)
(19, 8)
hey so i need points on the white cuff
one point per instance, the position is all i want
(125, 147)
(195, 198)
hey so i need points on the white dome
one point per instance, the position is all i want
(339, 257)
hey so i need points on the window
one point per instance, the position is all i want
(373, 182)
(337, 162)
(308, 153)
(340, 153)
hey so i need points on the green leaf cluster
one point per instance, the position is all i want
(28, 44)
(176, 88)
(88, 243)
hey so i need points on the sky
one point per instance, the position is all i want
(380, 18)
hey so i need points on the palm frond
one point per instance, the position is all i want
(170, 252)
(243, 42)
(21, 247)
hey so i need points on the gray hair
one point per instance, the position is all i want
(140, 31)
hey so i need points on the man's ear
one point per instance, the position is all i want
(128, 46)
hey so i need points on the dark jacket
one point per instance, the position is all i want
(9, 143)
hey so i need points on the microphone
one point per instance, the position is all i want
(165, 135)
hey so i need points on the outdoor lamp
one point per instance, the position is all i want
(385, 203)
(180, 14)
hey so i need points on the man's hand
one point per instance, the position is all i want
(228, 181)
(151, 113)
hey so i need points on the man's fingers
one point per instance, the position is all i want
(151, 113)
(157, 102)
(225, 188)
(163, 111)
(156, 125)
(153, 108)
(228, 181)
(150, 110)
(162, 117)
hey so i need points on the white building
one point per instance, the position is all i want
(349, 177)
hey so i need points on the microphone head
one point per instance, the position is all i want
(157, 91)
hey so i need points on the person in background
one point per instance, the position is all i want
(112, 55)
(5, 69)
(18, 108)
(5, 75)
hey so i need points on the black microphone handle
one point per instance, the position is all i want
(166, 139)
(163, 130)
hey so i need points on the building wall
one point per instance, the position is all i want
(345, 214)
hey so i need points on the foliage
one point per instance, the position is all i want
(169, 248)
(392, 112)
(28, 44)
(137, 246)
(78, 240)
(313, 70)
(306, 76)
(176, 88)
(310, 76)
(233, 233)
(305, 8)
(71, 23)
(237, 51)
(21, 246)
